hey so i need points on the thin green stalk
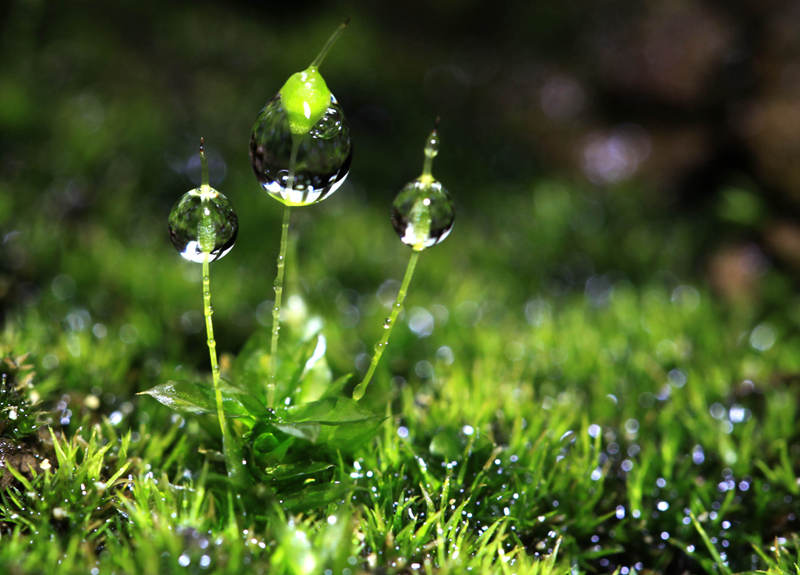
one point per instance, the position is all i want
(231, 461)
(276, 309)
(329, 44)
(361, 388)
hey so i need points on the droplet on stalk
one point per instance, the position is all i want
(300, 144)
(203, 222)
(423, 213)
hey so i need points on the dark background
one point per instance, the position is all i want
(657, 116)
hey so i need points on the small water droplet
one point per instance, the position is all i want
(423, 213)
(203, 222)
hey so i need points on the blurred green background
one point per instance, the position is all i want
(587, 145)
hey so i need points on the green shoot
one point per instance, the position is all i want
(422, 215)
(361, 388)
(231, 461)
(276, 309)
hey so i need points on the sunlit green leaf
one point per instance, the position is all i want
(198, 397)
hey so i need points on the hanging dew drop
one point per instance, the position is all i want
(300, 146)
(203, 223)
(423, 213)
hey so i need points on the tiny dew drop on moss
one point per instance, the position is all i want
(423, 213)
(300, 146)
(203, 222)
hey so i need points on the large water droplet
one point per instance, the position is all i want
(203, 222)
(423, 213)
(295, 168)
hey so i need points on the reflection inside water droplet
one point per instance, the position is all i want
(422, 213)
(203, 222)
(300, 169)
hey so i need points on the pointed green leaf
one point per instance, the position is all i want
(339, 422)
(317, 496)
(329, 411)
(198, 397)
(182, 396)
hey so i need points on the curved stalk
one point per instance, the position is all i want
(232, 462)
(329, 44)
(361, 388)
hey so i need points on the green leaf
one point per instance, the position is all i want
(314, 378)
(287, 471)
(317, 496)
(337, 387)
(251, 369)
(198, 397)
(328, 411)
(447, 444)
(236, 402)
(303, 371)
(340, 422)
(182, 396)
(308, 431)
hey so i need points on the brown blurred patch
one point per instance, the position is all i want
(771, 132)
(670, 53)
(783, 238)
(769, 125)
(677, 150)
(735, 272)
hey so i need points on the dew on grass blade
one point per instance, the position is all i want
(300, 146)
(203, 222)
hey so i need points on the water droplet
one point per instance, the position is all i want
(203, 222)
(762, 337)
(300, 145)
(299, 169)
(423, 214)
(421, 322)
